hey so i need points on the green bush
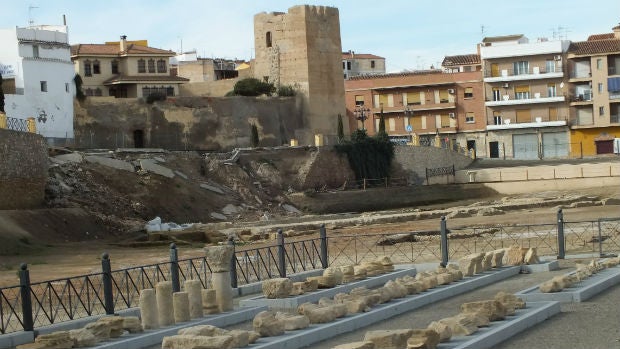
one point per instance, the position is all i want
(79, 94)
(253, 87)
(369, 157)
(286, 91)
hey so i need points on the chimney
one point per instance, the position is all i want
(617, 31)
(123, 43)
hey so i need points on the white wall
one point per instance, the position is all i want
(53, 109)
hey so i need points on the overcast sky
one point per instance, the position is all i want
(410, 34)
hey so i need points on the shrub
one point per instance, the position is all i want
(253, 87)
(286, 91)
(369, 157)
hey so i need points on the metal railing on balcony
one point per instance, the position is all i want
(492, 73)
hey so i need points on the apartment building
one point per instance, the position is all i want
(594, 90)
(525, 97)
(419, 106)
(38, 79)
(355, 64)
(124, 69)
(461, 63)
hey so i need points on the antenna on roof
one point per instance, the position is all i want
(30, 20)
(482, 30)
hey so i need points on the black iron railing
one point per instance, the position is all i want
(32, 305)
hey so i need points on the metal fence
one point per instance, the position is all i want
(31, 305)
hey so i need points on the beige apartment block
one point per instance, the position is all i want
(302, 48)
(355, 64)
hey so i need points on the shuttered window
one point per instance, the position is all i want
(413, 98)
(553, 114)
(524, 115)
(359, 100)
(443, 96)
(416, 123)
(469, 92)
(383, 99)
(445, 120)
(522, 92)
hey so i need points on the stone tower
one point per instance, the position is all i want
(302, 48)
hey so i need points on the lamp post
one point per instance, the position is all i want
(408, 111)
(361, 114)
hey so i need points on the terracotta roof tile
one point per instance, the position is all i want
(461, 60)
(391, 75)
(601, 36)
(593, 47)
(103, 49)
(347, 55)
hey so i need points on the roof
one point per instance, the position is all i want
(460, 60)
(601, 36)
(106, 50)
(132, 79)
(351, 55)
(400, 74)
(502, 38)
(594, 47)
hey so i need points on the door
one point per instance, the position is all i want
(494, 150)
(525, 146)
(605, 147)
(494, 69)
(138, 139)
(555, 145)
(471, 145)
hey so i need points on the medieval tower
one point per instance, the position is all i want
(302, 48)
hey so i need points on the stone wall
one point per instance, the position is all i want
(196, 123)
(414, 161)
(23, 170)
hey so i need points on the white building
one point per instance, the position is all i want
(36, 63)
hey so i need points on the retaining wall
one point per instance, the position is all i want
(23, 170)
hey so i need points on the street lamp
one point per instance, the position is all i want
(361, 114)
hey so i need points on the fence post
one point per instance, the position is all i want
(106, 277)
(364, 183)
(281, 256)
(24, 283)
(323, 236)
(174, 268)
(233, 264)
(561, 250)
(444, 242)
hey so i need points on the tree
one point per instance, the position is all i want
(340, 129)
(254, 140)
(1, 96)
(381, 134)
(79, 94)
(253, 87)
(381, 123)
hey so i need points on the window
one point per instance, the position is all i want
(268, 39)
(599, 63)
(445, 120)
(600, 87)
(469, 92)
(141, 66)
(553, 114)
(413, 98)
(169, 91)
(372, 64)
(98, 92)
(96, 67)
(524, 115)
(88, 68)
(344, 65)
(35, 51)
(497, 118)
(43, 86)
(88, 92)
(521, 67)
(151, 65)
(551, 92)
(467, 68)
(161, 66)
(550, 66)
(348, 65)
(522, 92)
(443, 96)
(469, 118)
(67, 87)
(601, 111)
(359, 100)
(114, 65)
(497, 96)
(391, 124)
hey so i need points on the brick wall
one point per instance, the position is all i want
(23, 170)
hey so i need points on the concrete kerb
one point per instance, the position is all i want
(317, 333)
(499, 331)
(584, 290)
(294, 302)
(153, 337)
(13, 339)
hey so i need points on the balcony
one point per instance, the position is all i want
(509, 100)
(585, 97)
(614, 119)
(533, 73)
(416, 107)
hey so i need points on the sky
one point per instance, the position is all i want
(409, 34)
